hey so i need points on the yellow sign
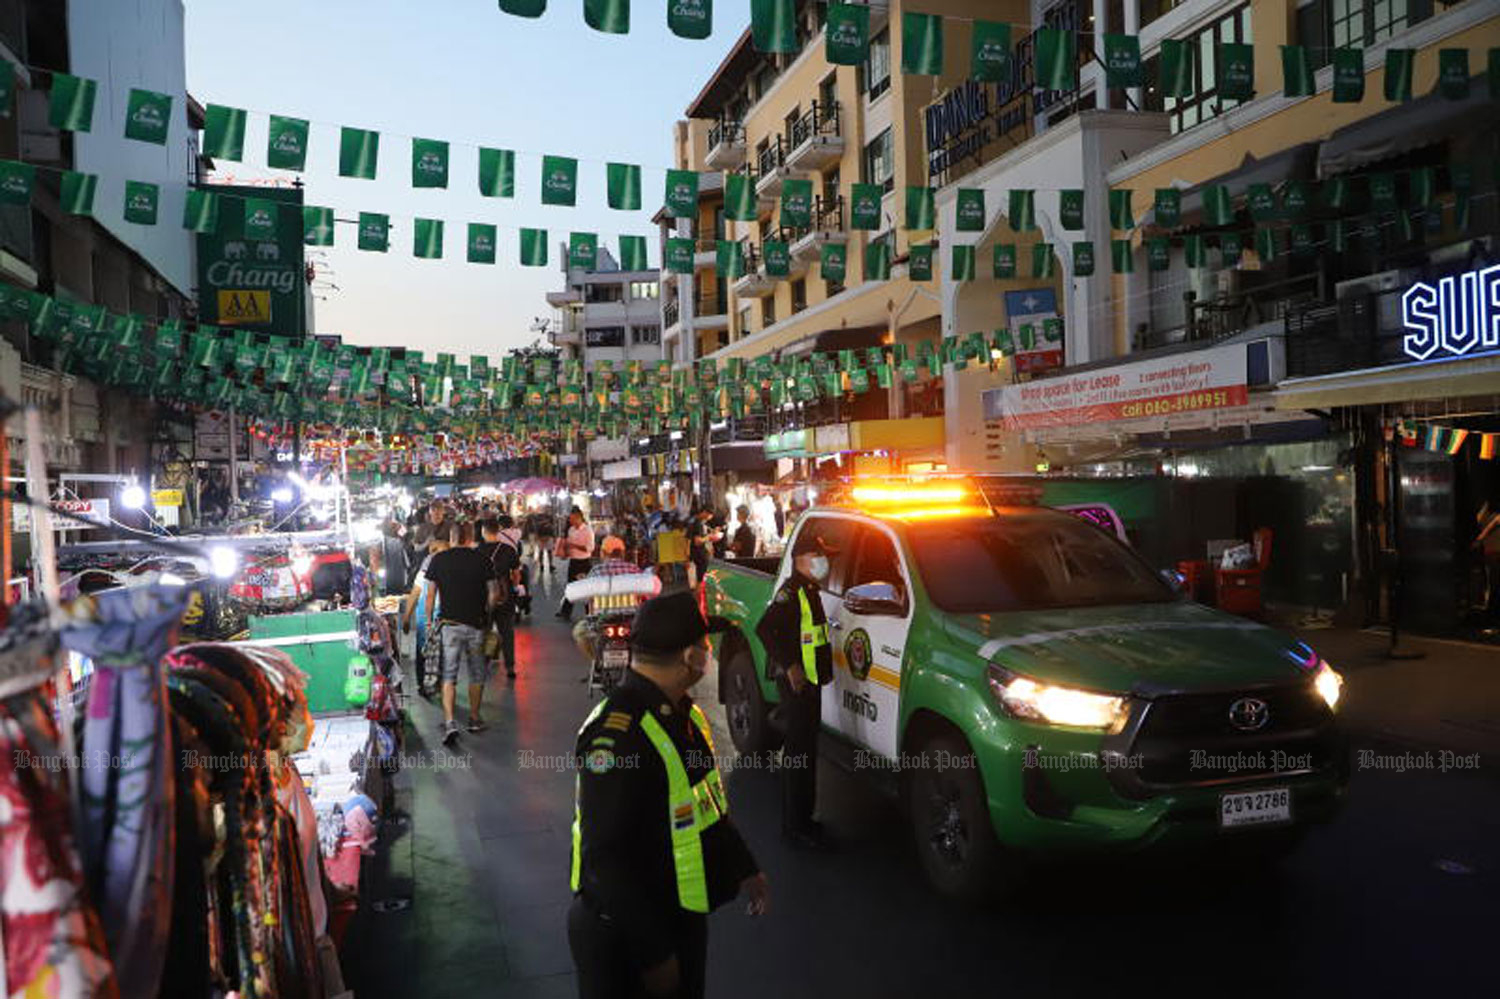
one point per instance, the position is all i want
(241, 306)
(166, 497)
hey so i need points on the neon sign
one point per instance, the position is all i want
(1459, 316)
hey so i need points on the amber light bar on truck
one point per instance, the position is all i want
(916, 498)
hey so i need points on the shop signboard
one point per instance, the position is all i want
(787, 444)
(162, 498)
(1162, 387)
(250, 282)
(615, 471)
(1460, 316)
(95, 510)
(1035, 328)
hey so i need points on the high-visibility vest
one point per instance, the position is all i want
(812, 635)
(691, 809)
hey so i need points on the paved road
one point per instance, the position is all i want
(1400, 896)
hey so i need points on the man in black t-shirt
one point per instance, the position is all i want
(461, 581)
(505, 570)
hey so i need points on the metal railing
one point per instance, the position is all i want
(671, 313)
(772, 157)
(828, 213)
(1346, 335)
(820, 119)
(1223, 316)
(724, 132)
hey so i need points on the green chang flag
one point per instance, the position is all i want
(729, 259)
(989, 56)
(1382, 192)
(70, 105)
(970, 211)
(1121, 216)
(796, 203)
(679, 255)
(1453, 73)
(286, 143)
(1083, 259)
(1265, 244)
(921, 212)
(919, 263)
(1175, 68)
(1022, 210)
(832, 263)
(497, 173)
(1121, 260)
(1193, 251)
(739, 197)
(777, 256)
(681, 197)
(1296, 71)
(773, 25)
(633, 253)
(609, 16)
(16, 181)
(1070, 208)
(846, 35)
(359, 151)
(922, 44)
(1056, 59)
(1042, 260)
(1335, 192)
(559, 181)
(1302, 241)
(1002, 265)
(260, 219)
(624, 183)
(224, 133)
(78, 189)
(1158, 253)
(1348, 76)
(141, 200)
(865, 206)
(1422, 186)
(1167, 208)
(583, 251)
(317, 226)
(1122, 61)
(374, 231)
(1295, 198)
(483, 238)
(200, 212)
(1261, 200)
(148, 116)
(1398, 73)
(878, 260)
(1236, 71)
(429, 163)
(524, 8)
(1218, 204)
(691, 18)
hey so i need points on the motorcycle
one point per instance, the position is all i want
(611, 653)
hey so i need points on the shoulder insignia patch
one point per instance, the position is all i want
(618, 721)
(782, 596)
(599, 761)
(602, 741)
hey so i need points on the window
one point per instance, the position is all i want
(828, 90)
(645, 334)
(640, 290)
(744, 320)
(604, 336)
(875, 74)
(836, 535)
(799, 295)
(768, 310)
(1367, 22)
(831, 188)
(790, 123)
(1204, 103)
(603, 293)
(879, 166)
(876, 561)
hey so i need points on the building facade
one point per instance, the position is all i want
(604, 314)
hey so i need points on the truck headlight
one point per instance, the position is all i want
(1022, 697)
(1328, 683)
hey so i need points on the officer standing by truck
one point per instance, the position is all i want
(654, 850)
(794, 632)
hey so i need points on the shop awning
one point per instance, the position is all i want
(1448, 379)
(1422, 122)
(1296, 163)
(841, 338)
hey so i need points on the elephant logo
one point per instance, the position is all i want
(234, 250)
(267, 251)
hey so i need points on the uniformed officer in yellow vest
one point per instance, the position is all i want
(794, 632)
(654, 850)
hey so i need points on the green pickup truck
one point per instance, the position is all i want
(1038, 687)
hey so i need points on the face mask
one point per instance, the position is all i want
(817, 567)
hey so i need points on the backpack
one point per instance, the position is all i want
(507, 588)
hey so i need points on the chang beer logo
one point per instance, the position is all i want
(797, 203)
(690, 10)
(260, 220)
(372, 231)
(866, 208)
(15, 185)
(430, 164)
(778, 260)
(287, 142)
(1237, 75)
(482, 243)
(148, 118)
(141, 201)
(680, 195)
(679, 255)
(559, 182)
(234, 274)
(992, 54)
(859, 654)
(971, 213)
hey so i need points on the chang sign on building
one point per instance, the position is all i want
(254, 283)
(1458, 316)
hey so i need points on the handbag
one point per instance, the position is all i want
(491, 644)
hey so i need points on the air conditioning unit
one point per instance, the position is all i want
(1385, 291)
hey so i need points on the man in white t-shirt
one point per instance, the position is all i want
(578, 547)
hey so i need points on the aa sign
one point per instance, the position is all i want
(244, 306)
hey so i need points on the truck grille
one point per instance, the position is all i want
(1189, 738)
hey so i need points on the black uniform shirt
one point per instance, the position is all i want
(780, 627)
(628, 872)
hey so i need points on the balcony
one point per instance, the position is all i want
(705, 252)
(755, 282)
(771, 170)
(563, 299)
(726, 146)
(815, 140)
(1227, 315)
(827, 227)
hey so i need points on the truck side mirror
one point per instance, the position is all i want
(1176, 580)
(875, 600)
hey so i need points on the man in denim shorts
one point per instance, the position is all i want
(462, 589)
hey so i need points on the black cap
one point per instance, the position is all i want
(670, 623)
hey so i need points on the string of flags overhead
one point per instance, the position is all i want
(1445, 439)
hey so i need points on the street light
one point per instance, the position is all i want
(133, 496)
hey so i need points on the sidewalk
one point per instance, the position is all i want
(1449, 699)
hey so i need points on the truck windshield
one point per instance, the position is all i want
(1029, 561)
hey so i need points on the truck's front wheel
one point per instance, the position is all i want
(950, 819)
(745, 709)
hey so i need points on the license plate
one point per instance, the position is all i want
(616, 658)
(1268, 806)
